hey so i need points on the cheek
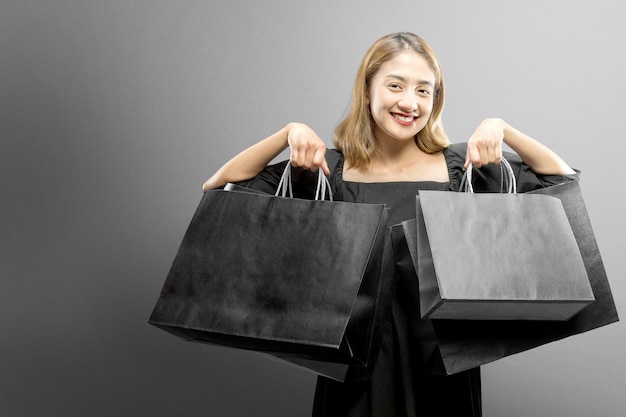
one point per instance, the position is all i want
(427, 107)
(374, 106)
(379, 103)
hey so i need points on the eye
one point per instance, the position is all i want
(424, 92)
(394, 86)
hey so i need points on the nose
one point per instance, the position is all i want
(409, 102)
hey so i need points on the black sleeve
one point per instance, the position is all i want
(488, 178)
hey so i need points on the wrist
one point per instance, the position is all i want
(283, 136)
(503, 127)
(506, 128)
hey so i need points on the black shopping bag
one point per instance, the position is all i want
(497, 256)
(452, 346)
(278, 275)
(383, 288)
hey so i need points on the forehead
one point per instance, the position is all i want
(409, 65)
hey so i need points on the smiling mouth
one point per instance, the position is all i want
(403, 118)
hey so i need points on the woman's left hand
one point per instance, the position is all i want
(485, 145)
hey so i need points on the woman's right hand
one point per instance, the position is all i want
(308, 150)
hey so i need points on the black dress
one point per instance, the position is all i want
(398, 385)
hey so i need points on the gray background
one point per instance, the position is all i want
(113, 113)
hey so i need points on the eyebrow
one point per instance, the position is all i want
(403, 79)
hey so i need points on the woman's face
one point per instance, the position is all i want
(400, 96)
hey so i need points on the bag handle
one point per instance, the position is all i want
(507, 176)
(285, 187)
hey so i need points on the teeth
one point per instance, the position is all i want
(403, 118)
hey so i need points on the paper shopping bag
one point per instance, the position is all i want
(359, 372)
(452, 346)
(494, 256)
(278, 275)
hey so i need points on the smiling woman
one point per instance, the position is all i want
(390, 146)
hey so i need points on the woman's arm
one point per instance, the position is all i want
(307, 151)
(485, 147)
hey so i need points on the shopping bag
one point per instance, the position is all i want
(497, 256)
(451, 346)
(344, 372)
(278, 275)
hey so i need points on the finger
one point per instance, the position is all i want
(304, 157)
(307, 158)
(473, 155)
(484, 156)
(325, 167)
(319, 160)
(492, 154)
(299, 157)
(498, 151)
(294, 156)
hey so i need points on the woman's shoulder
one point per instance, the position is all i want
(334, 157)
(456, 149)
(335, 160)
(454, 155)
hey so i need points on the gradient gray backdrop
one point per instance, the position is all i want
(113, 113)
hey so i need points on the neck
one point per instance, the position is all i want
(397, 154)
(401, 161)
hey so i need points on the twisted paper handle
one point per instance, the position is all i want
(285, 187)
(508, 180)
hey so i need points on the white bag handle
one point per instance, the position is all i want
(508, 180)
(285, 187)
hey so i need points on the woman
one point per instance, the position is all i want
(391, 145)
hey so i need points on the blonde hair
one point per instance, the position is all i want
(355, 135)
